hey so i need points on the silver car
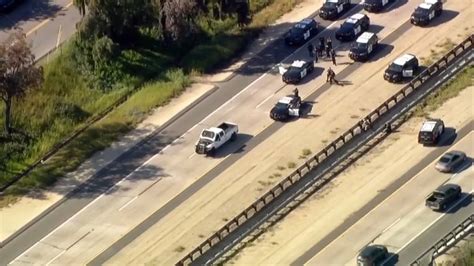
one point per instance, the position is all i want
(450, 161)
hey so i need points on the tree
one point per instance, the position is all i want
(179, 18)
(18, 74)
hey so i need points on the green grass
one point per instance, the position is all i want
(65, 102)
(448, 91)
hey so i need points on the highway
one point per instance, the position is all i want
(98, 214)
(403, 224)
(200, 215)
(47, 23)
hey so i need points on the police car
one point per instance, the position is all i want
(353, 27)
(431, 131)
(297, 71)
(426, 12)
(403, 67)
(331, 9)
(375, 5)
(301, 32)
(287, 107)
(363, 46)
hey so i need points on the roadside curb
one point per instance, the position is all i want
(86, 182)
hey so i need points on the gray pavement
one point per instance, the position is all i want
(46, 23)
(423, 242)
(177, 126)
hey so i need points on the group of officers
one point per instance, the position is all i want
(325, 45)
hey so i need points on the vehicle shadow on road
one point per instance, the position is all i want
(464, 166)
(446, 16)
(448, 137)
(381, 51)
(465, 201)
(236, 146)
(396, 4)
(306, 109)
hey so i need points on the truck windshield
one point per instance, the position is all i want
(208, 134)
(438, 195)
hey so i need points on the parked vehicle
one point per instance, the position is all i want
(213, 138)
(404, 66)
(332, 9)
(375, 5)
(353, 27)
(431, 131)
(297, 71)
(450, 161)
(286, 107)
(372, 255)
(301, 32)
(363, 47)
(426, 12)
(443, 196)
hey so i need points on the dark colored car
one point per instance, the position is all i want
(372, 255)
(403, 67)
(450, 161)
(363, 47)
(426, 12)
(332, 9)
(301, 32)
(375, 5)
(297, 71)
(353, 27)
(443, 196)
(430, 132)
(286, 108)
(6, 5)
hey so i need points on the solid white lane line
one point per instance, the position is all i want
(57, 228)
(390, 226)
(55, 257)
(266, 99)
(433, 222)
(128, 203)
(192, 155)
(166, 147)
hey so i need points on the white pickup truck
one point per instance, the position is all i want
(212, 138)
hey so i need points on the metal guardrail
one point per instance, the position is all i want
(459, 232)
(317, 159)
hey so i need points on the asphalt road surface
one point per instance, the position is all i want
(47, 23)
(403, 222)
(180, 133)
(103, 180)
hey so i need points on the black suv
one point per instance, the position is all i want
(403, 67)
(375, 5)
(353, 27)
(332, 9)
(372, 255)
(363, 46)
(430, 132)
(426, 12)
(301, 32)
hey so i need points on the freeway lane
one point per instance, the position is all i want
(200, 215)
(400, 214)
(435, 232)
(130, 161)
(105, 207)
(45, 22)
